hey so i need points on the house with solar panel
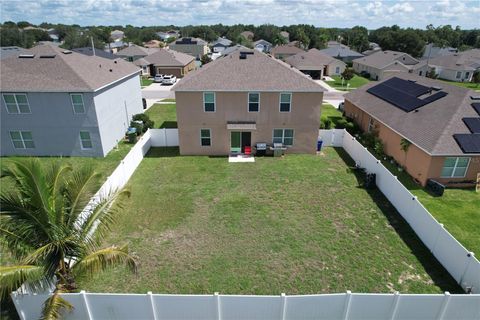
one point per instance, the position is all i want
(439, 123)
(56, 102)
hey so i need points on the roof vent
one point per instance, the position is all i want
(436, 88)
(110, 70)
(26, 56)
(242, 56)
(48, 56)
(66, 52)
(115, 61)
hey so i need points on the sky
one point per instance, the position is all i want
(321, 13)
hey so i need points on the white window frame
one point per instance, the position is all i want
(337, 70)
(81, 140)
(455, 166)
(280, 102)
(16, 103)
(458, 75)
(209, 137)
(248, 102)
(73, 104)
(283, 136)
(22, 139)
(214, 101)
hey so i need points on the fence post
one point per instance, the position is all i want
(87, 306)
(396, 300)
(346, 310)
(165, 135)
(217, 304)
(283, 305)
(444, 307)
(470, 258)
(152, 303)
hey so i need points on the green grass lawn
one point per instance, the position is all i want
(331, 113)
(457, 209)
(169, 100)
(298, 224)
(146, 82)
(164, 115)
(467, 85)
(355, 82)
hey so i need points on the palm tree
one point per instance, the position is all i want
(44, 226)
(404, 146)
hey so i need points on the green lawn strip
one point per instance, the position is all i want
(298, 224)
(168, 100)
(457, 209)
(355, 82)
(164, 115)
(146, 82)
(468, 85)
(331, 113)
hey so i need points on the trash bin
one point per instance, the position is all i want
(132, 135)
(319, 145)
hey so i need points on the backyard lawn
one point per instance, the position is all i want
(164, 115)
(298, 224)
(146, 82)
(355, 82)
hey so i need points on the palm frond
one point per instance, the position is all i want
(13, 277)
(54, 306)
(55, 175)
(103, 259)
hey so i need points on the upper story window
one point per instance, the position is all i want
(285, 102)
(209, 101)
(77, 103)
(16, 102)
(22, 139)
(455, 167)
(85, 140)
(253, 102)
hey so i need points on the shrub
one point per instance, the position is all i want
(378, 147)
(137, 125)
(147, 123)
(341, 124)
(327, 123)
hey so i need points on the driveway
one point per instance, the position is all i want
(157, 91)
(331, 93)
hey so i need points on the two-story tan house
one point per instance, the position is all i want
(243, 99)
(438, 125)
(195, 47)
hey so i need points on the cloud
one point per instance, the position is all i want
(326, 13)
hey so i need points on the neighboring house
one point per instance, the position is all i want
(115, 46)
(285, 35)
(135, 52)
(61, 103)
(169, 62)
(6, 52)
(373, 48)
(430, 51)
(262, 45)
(220, 44)
(284, 51)
(168, 34)
(333, 43)
(192, 46)
(382, 64)
(53, 35)
(341, 52)
(247, 35)
(153, 44)
(243, 99)
(458, 66)
(144, 65)
(117, 35)
(88, 51)
(234, 48)
(440, 121)
(316, 64)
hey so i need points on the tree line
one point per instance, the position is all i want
(409, 40)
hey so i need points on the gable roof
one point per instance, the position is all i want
(431, 51)
(340, 51)
(262, 42)
(468, 60)
(432, 126)
(285, 49)
(53, 69)
(381, 59)
(313, 58)
(88, 51)
(190, 41)
(170, 58)
(237, 47)
(6, 52)
(135, 50)
(222, 42)
(257, 72)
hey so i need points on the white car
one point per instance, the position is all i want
(170, 79)
(158, 78)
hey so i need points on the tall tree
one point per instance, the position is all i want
(43, 225)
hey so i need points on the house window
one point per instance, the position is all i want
(22, 139)
(77, 103)
(285, 102)
(458, 75)
(16, 103)
(284, 136)
(209, 101)
(420, 73)
(455, 167)
(337, 70)
(205, 138)
(85, 140)
(253, 102)
(467, 74)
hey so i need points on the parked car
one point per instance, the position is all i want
(158, 78)
(169, 79)
(144, 103)
(365, 74)
(341, 106)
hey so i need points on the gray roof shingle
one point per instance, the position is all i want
(285, 49)
(340, 51)
(135, 50)
(312, 59)
(380, 59)
(170, 58)
(258, 72)
(468, 60)
(61, 71)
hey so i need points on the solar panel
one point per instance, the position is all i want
(473, 124)
(434, 97)
(468, 142)
(406, 86)
(476, 106)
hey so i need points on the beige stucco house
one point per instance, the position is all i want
(457, 66)
(243, 99)
(440, 121)
(284, 51)
(170, 62)
(192, 46)
(316, 64)
(383, 64)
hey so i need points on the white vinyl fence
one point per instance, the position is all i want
(342, 306)
(459, 262)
